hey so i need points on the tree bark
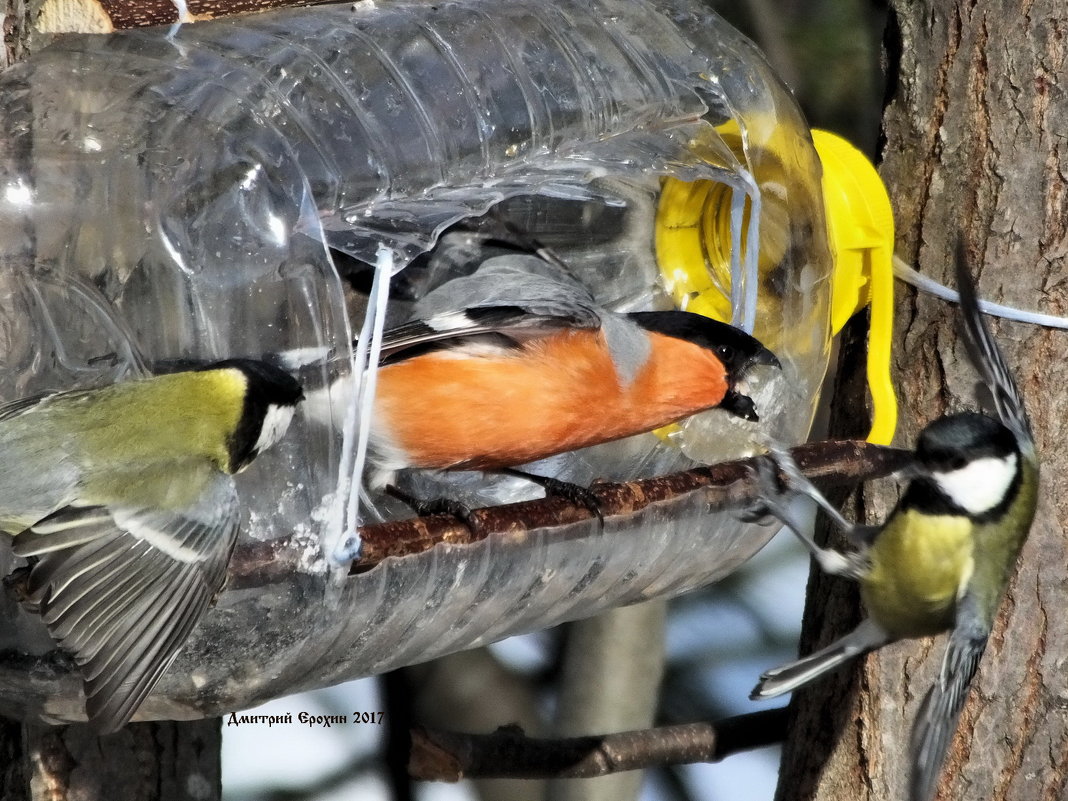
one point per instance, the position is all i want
(160, 761)
(14, 31)
(974, 149)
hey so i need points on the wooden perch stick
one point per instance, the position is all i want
(508, 753)
(107, 16)
(728, 485)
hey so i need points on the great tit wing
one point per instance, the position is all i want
(516, 297)
(988, 359)
(16, 407)
(936, 722)
(122, 588)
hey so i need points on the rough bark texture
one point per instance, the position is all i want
(975, 148)
(14, 31)
(106, 16)
(162, 761)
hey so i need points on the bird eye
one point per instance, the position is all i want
(725, 352)
(957, 463)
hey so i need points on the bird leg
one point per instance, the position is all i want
(860, 536)
(575, 493)
(435, 506)
(774, 501)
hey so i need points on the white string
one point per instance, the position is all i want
(738, 284)
(752, 260)
(907, 274)
(365, 359)
(182, 7)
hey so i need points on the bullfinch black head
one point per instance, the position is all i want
(737, 350)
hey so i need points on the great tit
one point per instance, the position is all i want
(516, 362)
(944, 557)
(123, 500)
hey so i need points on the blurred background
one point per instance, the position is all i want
(718, 640)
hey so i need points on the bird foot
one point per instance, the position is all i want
(576, 494)
(435, 506)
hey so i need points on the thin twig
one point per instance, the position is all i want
(508, 753)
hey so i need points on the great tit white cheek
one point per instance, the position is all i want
(275, 423)
(981, 484)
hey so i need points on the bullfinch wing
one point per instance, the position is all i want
(516, 296)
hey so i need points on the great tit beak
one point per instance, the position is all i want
(911, 471)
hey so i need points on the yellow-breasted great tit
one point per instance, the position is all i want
(944, 557)
(123, 499)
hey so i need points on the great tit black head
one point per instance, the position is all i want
(952, 441)
(271, 398)
(969, 463)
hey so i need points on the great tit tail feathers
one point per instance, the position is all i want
(864, 638)
(936, 722)
(988, 359)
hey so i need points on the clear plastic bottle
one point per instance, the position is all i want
(179, 197)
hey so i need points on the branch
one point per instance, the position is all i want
(107, 16)
(728, 485)
(508, 753)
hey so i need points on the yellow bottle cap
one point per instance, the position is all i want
(693, 242)
(860, 222)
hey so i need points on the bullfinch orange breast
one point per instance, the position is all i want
(516, 363)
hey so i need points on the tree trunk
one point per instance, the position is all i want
(14, 31)
(975, 149)
(161, 761)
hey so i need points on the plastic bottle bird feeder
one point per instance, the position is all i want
(166, 198)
